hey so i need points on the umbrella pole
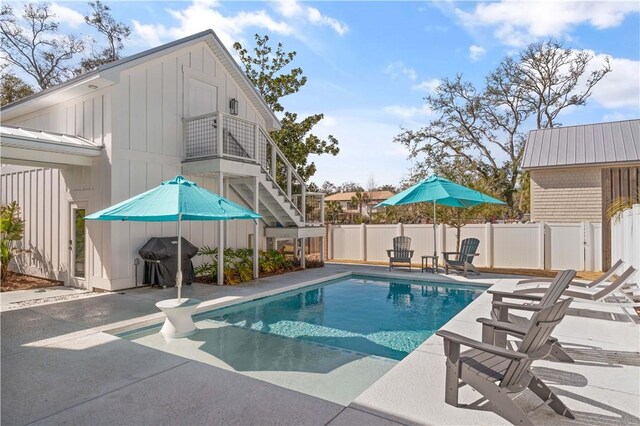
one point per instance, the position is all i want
(435, 241)
(179, 273)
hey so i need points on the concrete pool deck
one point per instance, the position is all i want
(59, 366)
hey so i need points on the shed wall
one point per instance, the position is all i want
(566, 195)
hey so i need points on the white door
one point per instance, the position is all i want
(77, 245)
(203, 98)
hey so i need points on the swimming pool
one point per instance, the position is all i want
(331, 340)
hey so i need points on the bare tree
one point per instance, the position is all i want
(371, 187)
(34, 45)
(553, 79)
(114, 31)
(482, 131)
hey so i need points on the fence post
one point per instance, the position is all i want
(542, 241)
(583, 246)
(627, 235)
(443, 241)
(399, 230)
(488, 236)
(363, 242)
(589, 254)
(635, 236)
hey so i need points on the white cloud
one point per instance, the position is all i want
(518, 23)
(201, 15)
(476, 52)
(289, 8)
(315, 17)
(67, 16)
(397, 68)
(428, 86)
(408, 112)
(621, 87)
(293, 9)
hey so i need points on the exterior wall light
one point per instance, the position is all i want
(233, 106)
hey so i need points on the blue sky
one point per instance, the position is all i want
(370, 64)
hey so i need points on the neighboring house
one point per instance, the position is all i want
(182, 108)
(576, 171)
(345, 199)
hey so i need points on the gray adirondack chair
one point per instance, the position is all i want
(500, 374)
(464, 258)
(401, 252)
(503, 323)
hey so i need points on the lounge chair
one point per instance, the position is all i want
(464, 259)
(400, 252)
(602, 279)
(501, 374)
(600, 294)
(618, 294)
(502, 322)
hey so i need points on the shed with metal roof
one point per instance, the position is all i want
(577, 171)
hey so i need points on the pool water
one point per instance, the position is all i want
(331, 340)
(381, 318)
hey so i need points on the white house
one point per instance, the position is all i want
(182, 108)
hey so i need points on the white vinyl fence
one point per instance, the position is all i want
(521, 245)
(625, 239)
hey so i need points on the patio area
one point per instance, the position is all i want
(61, 363)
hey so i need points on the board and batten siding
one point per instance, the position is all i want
(566, 195)
(138, 120)
(149, 103)
(45, 197)
(87, 116)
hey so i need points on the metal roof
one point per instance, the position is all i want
(10, 135)
(590, 144)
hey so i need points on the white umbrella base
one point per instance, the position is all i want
(179, 322)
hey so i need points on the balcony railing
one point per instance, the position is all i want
(243, 140)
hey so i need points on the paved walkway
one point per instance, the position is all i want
(59, 366)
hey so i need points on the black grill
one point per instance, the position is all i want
(160, 255)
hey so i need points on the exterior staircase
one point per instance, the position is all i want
(257, 156)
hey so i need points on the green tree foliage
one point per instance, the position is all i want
(13, 88)
(32, 43)
(11, 231)
(332, 211)
(482, 130)
(115, 32)
(359, 201)
(264, 67)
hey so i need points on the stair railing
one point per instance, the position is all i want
(243, 140)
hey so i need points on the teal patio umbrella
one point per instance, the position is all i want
(175, 200)
(438, 190)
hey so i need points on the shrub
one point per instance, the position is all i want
(238, 264)
(11, 230)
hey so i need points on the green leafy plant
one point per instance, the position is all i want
(238, 264)
(11, 231)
